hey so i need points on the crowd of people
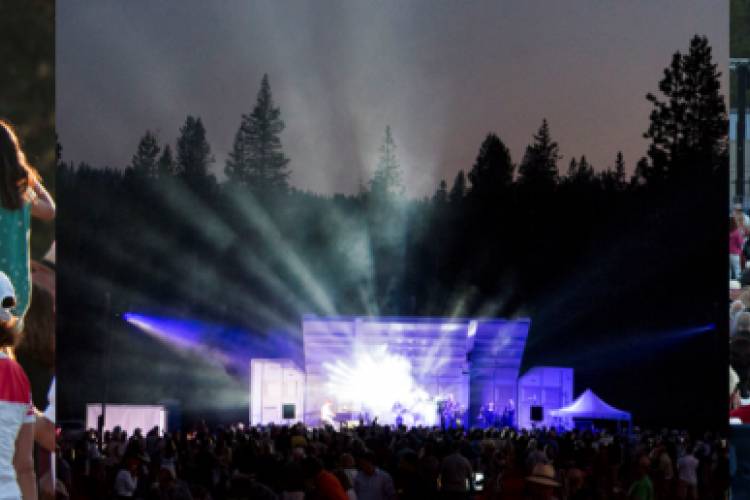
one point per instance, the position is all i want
(381, 462)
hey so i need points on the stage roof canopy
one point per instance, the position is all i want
(589, 405)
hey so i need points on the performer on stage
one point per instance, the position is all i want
(510, 408)
(490, 416)
(326, 414)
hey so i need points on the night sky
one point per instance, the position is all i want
(441, 73)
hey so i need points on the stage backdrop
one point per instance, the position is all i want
(548, 388)
(401, 370)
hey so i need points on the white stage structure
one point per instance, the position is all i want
(383, 367)
(541, 390)
(276, 391)
(127, 417)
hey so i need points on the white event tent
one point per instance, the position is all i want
(590, 406)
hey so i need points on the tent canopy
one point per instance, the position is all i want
(589, 405)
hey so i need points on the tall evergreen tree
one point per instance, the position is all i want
(165, 166)
(619, 175)
(458, 190)
(144, 161)
(492, 172)
(386, 180)
(257, 158)
(613, 179)
(440, 197)
(193, 151)
(572, 168)
(585, 172)
(688, 127)
(539, 165)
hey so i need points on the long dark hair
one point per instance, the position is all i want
(16, 175)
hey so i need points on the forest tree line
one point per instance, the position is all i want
(536, 236)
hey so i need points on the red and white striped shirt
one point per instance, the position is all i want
(16, 409)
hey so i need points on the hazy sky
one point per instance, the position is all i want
(442, 73)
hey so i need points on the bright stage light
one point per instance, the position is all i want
(380, 384)
(183, 335)
(472, 328)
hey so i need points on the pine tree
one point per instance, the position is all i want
(688, 128)
(458, 190)
(440, 197)
(614, 179)
(572, 168)
(257, 158)
(492, 172)
(165, 166)
(193, 151)
(580, 172)
(386, 180)
(538, 168)
(585, 170)
(144, 161)
(619, 175)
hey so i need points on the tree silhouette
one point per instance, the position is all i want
(386, 181)
(440, 197)
(193, 151)
(257, 158)
(580, 172)
(165, 167)
(688, 128)
(614, 180)
(458, 190)
(619, 175)
(538, 168)
(145, 161)
(492, 172)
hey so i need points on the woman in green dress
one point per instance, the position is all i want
(22, 196)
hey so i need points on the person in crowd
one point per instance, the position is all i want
(736, 240)
(742, 218)
(664, 470)
(323, 485)
(734, 392)
(346, 484)
(169, 487)
(642, 488)
(349, 466)
(735, 308)
(542, 483)
(373, 483)
(687, 471)
(739, 360)
(22, 196)
(17, 476)
(741, 324)
(126, 481)
(455, 475)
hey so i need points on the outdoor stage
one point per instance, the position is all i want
(410, 371)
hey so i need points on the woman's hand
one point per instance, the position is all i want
(42, 206)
